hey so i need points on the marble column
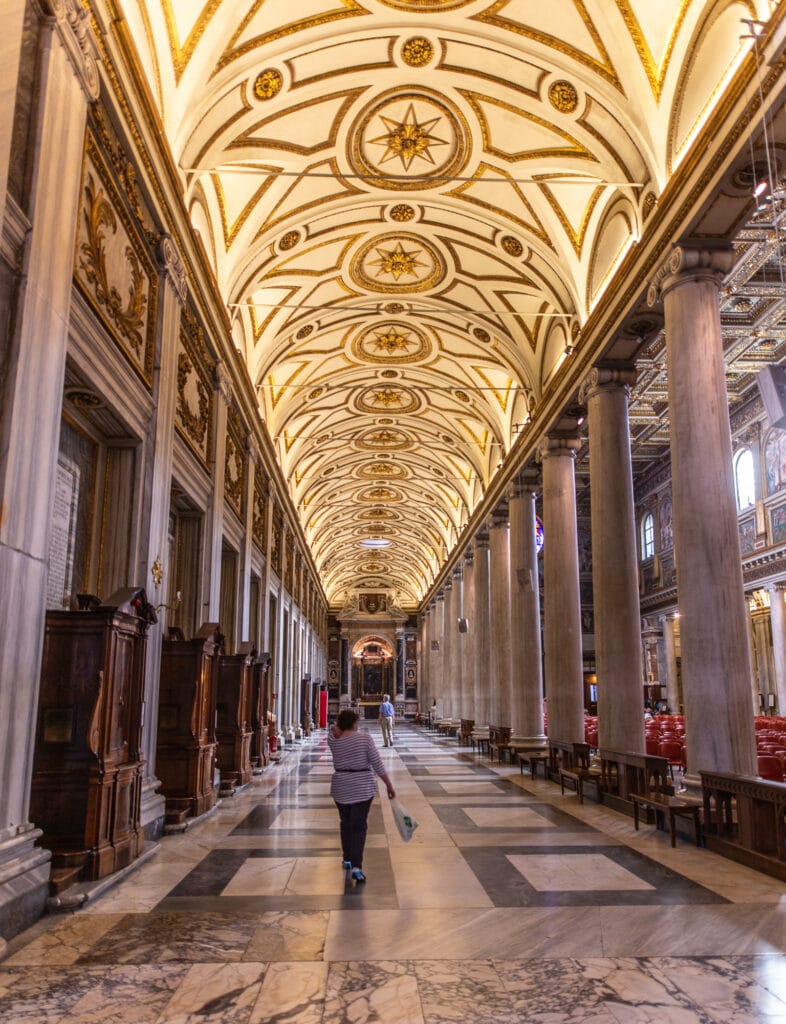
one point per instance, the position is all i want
(561, 596)
(525, 639)
(345, 691)
(670, 657)
(216, 512)
(158, 481)
(244, 584)
(448, 648)
(763, 666)
(615, 580)
(713, 617)
(778, 622)
(458, 642)
(424, 685)
(12, 19)
(500, 660)
(482, 629)
(439, 653)
(470, 638)
(30, 413)
(401, 657)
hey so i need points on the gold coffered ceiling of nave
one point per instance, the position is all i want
(411, 207)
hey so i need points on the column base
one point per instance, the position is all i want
(24, 881)
(152, 810)
(532, 742)
(691, 784)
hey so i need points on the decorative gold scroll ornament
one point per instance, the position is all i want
(100, 217)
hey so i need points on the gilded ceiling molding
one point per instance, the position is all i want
(405, 131)
(268, 84)
(563, 96)
(603, 67)
(656, 74)
(397, 263)
(233, 50)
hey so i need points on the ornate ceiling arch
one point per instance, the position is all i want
(411, 208)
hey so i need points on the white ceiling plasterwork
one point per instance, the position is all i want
(411, 207)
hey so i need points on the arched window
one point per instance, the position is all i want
(647, 536)
(744, 479)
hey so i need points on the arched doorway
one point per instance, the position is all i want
(373, 671)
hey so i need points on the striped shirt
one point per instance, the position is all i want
(355, 759)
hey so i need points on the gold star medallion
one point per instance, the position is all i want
(408, 140)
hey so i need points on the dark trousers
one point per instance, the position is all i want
(354, 826)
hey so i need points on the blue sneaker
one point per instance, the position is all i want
(358, 875)
(346, 864)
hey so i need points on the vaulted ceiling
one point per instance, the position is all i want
(411, 208)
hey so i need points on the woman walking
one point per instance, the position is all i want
(355, 759)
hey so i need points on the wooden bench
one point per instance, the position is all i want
(662, 804)
(465, 732)
(480, 739)
(499, 741)
(625, 772)
(533, 758)
(570, 762)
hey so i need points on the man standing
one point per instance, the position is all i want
(386, 715)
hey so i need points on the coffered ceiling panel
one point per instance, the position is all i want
(412, 207)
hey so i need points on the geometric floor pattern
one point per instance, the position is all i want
(511, 903)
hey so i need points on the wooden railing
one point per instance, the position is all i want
(744, 820)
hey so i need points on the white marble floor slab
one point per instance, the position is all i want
(281, 876)
(507, 817)
(314, 789)
(576, 872)
(471, 786)
(426, 877)
(317, 818)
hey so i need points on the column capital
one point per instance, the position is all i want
(458, 571)
(469, 557)
(440, 595)
(448, 585)
(686, 264)
(173, 266)
(252, 447)
(563, 445)
(525, 484)
(607, 378)
(482, 541)
(499, 516)
(72, 25)
(223, 383)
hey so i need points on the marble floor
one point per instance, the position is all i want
(511, 904)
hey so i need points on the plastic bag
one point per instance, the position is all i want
(405, 823)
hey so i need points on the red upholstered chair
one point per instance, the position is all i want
(674, 752)
(652, 745)
(770, 767)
